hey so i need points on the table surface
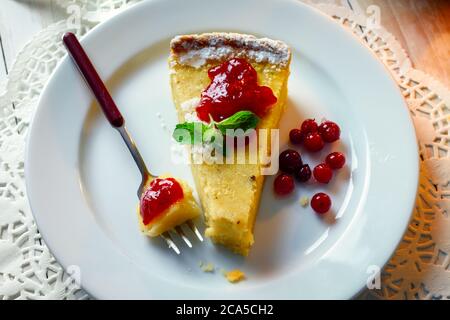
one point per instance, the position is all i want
(421, 26)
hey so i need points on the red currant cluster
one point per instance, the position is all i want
(313, 137)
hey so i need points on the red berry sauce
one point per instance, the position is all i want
(160, 195)
(233, 88)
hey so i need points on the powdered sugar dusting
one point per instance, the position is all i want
(200, 152)
(188, 108)
(190, 105)
(197, 58)
(191, 117)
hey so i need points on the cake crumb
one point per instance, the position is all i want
(209, 267)
(235, 275)
(304, 201)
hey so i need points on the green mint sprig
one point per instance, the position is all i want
(194, 132)
(190, 132)
(244, 120)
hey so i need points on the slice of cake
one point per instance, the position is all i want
(165, 203)
(213, 76)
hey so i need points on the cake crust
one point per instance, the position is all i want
(198, 49)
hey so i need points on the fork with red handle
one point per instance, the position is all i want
(117, 121)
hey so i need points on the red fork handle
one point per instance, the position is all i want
(93, 80)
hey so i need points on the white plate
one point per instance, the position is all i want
(82, 181)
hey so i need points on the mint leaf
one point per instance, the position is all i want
(189, 132)
(195, 132)
(240, 120)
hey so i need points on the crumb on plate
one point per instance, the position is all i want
(304, 201)
(234, 276)
(209, 267)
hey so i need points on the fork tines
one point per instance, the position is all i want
(169, 241)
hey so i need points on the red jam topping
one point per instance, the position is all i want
(160, 195)
(233, 88)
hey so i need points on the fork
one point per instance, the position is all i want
(117, 121)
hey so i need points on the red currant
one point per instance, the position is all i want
(329, 131)
(290, 161)
(323, 173)
(321, 203)
(308, 126)
(313, 142)
(295, 136)
(335, 160)
(304, 174)
(283, 184)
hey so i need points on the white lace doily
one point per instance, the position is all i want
(420, 267)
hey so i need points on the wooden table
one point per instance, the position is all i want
(422, 27)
